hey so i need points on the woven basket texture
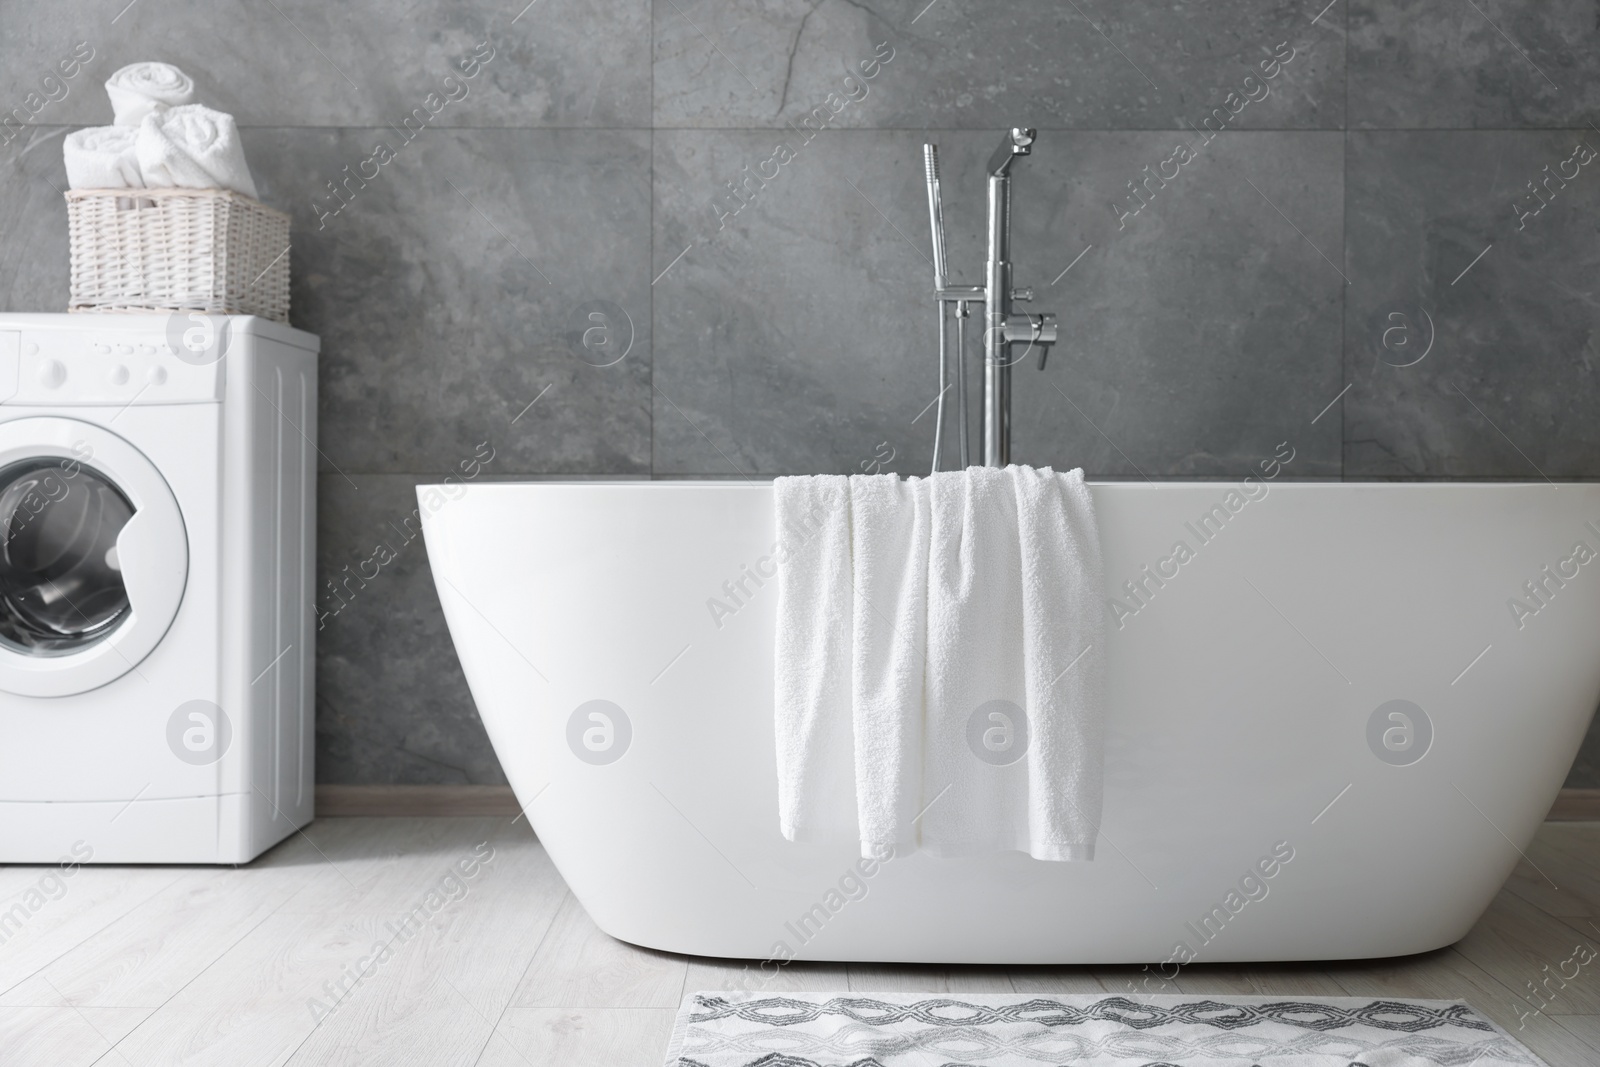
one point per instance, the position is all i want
(210, 250)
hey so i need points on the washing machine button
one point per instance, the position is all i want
(31, 348)
(119, 375)
(156, 375)
(126, 350)
(103, 350)
(52, 373)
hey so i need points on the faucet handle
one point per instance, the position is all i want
(1031, 330)
(1047, 329)
(1047, 337)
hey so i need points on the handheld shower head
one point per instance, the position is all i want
(930, 162)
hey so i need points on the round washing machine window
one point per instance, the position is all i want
(61, 586)
(94, 556)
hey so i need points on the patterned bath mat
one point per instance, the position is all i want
(1015, 1030)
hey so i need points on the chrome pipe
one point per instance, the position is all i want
(996, 307)
(944, 387)
(961, 382)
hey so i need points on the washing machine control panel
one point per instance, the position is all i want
(51, 368)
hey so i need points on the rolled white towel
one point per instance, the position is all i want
(140, 88)
(102, 157)
(192, 147)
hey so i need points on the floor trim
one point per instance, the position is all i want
(339, 800)
(1573, 805)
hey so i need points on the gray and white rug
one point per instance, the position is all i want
(742, 1029)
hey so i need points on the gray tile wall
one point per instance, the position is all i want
(1383, 170)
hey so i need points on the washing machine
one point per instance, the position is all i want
(157, 525)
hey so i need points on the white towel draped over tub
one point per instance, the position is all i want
(940, 666)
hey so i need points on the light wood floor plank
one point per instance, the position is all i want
(438, 999)
(1128, 980)
(374, 863)
(1292, 979)
(1054, 980)
(1585, 1028)
(766, 977)
(1216, 978)
(905, 977)
(578, 966)
(1557, 878)
(580, 1037)
(1259, 979)
(1518, 943)
(93, 899)
(253, 1006)
(62, 1037)
(1441, 975)
(155, 949)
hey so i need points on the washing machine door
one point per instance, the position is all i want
(93, 557)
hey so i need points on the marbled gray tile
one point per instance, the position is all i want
(1085, 64)
(293, 62)
(452, 289)
(34, 271)
(392, 703)
(790, 337)
(1489, 64)
(1443, 246)
(1197, 334)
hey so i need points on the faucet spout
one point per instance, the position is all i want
(1016, 142)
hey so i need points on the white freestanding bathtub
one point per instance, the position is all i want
(1264, 796)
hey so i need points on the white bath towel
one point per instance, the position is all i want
(974, 715)
(888, 654)
(1015, 702)
(816, 762)
(140, 88)
(101, 157)
(192, 147)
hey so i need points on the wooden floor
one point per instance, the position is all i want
(161, 966)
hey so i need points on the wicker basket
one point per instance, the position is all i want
(209, 250)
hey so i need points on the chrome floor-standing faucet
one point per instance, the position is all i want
(1001, 327)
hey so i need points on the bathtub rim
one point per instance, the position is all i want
(522, 481)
